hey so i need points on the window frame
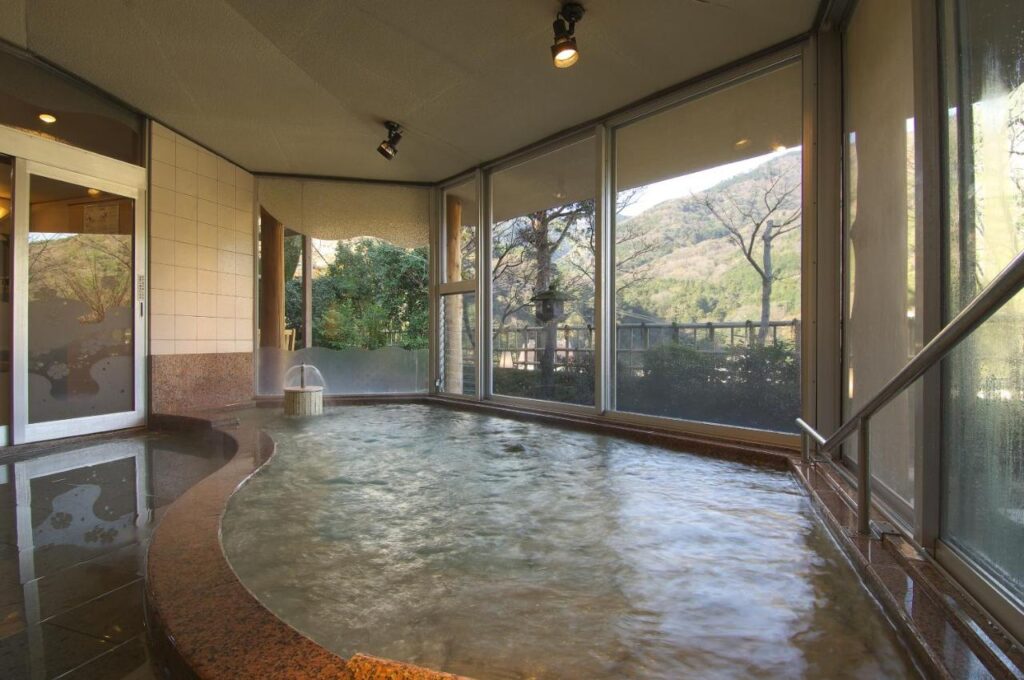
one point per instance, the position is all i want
(603, 131)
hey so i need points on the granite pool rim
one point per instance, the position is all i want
(205, 623)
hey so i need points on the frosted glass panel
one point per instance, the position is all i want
(390, 370)
(881, 327)
(983, 418)
(707, 257)
(80, 301)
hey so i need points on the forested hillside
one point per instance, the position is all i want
(696, 271)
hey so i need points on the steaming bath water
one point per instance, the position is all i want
(501, 549)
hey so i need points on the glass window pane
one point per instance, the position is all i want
(370, 315)
(458, 344)
(983, 410)
(74, 114)
(461, 213)
(542, 271)
(80, 300)
(294, 294)
(882, 331)
(707, 257)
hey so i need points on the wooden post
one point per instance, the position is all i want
(453, 369)
(271, 281)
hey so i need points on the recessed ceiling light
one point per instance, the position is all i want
(564, 52)
(48, 118)
(389, 147)
(742, 143)
(779, 148)
(94, 192)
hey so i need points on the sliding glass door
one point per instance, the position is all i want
(76, 303)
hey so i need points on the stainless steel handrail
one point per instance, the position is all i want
(996, 294)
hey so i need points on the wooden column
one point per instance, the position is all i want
(453, 303)
(271, 281)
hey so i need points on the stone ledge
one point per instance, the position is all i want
(950, 636)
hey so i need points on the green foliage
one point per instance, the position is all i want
(746, 386)
(573, 382)
(373, 295)
(749, 387)
(292, 255)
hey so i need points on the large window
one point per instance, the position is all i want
(458, 314)
(983, 380)
(882, 329)
(358, 308)
(542, 274)
(707, 238)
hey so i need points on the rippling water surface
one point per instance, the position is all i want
(501, 549)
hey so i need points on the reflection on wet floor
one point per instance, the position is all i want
(75, 523)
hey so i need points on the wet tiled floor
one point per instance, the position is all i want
(75, 522)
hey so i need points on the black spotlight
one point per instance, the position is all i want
(563, 50)
(389, 147)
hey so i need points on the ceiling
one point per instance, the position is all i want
(303, 87)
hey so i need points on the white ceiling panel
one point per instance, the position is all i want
(303, 87)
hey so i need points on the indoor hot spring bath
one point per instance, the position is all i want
(498, 548)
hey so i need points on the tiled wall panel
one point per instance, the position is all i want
(201, 250)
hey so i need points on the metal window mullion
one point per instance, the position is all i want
(140, 310)
(808, 346)
(307, 291)
(19, 303)
(433, 284)
(484, 356)
(827, 273)
(930, 218)
(604, 327)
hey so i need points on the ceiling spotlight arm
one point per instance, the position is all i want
(571, 13)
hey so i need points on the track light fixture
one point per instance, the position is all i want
(389, 147)
(563, 50)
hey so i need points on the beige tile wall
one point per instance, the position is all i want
(200, 249)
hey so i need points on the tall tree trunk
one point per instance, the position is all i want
(767, 279)
(542, 244)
